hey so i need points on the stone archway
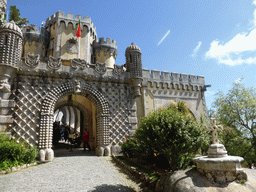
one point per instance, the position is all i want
(86, 115)
(77, 86)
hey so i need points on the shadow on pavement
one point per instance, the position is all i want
(66, 149)
(112, 188)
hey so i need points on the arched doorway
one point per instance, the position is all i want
(75, 87)
(79, 113)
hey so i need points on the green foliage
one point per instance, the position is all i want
(169, 135)
(14, 154)
(236, 110)
(15, 16)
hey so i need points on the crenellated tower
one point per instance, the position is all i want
(10, 53)
(35, 41)
(105, 52)
(63, 42)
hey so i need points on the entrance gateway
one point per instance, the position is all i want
(40, 72)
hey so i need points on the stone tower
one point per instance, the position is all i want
(105, 52)
(134, 67)
(63, 43)
(10, 53)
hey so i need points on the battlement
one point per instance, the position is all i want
(61, 16)
(109, 43)
(32, 34)
(164, 77)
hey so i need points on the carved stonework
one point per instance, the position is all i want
(54, 63)
(118, 70)
(32, 60)
(5, 86)
(100, 68)
(72, 45)
(78, 63)
(78, 82)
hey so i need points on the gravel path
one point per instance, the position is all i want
(75, 171)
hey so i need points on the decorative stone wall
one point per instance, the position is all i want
(121, 94)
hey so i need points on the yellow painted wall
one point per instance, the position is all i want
(34, 48)
(68, 33)
(108, 59)
(149, 104)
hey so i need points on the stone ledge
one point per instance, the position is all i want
(18, 168)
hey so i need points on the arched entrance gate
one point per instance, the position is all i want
(77, 86)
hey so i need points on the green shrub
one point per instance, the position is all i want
(169, 135)
(14, 154)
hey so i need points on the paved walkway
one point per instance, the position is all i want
(70, 171)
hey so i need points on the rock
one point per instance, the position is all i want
(14, 169)
(230, 177)
(209, 176)
(220, 177)
(116, 150)
(2, 172)
(241, 175)
(191, 180)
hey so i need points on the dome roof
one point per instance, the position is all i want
(132, 47)
(12, 26)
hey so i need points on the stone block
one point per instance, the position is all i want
(107, 151)
(14, 169)
(132, 120)
(116, 150)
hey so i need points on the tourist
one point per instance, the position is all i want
(86, 140)
(66, 133)
(252, 166)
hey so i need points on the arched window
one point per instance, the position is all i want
(130, 58)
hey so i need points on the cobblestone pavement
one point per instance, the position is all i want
(70, 171)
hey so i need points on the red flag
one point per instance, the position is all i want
(78, 32)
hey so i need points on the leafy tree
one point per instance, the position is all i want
(169, 135)
(237, 110)
(15, 16)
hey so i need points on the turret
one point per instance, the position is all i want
(63, 43)
(105, 52)
(10, 53)
(35, 41)
(134, 67)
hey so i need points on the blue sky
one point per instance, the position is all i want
(216, 39)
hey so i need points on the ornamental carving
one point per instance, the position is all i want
(100, 68)
(118, 69)
(78, 82)
(78, 63)
(72, 45)
(54, 63)
(32, 60)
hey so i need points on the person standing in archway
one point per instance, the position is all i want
(86, 140)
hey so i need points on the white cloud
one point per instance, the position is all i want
(163, 37)
(237, 51)
(238, 80)
(209, 93)
(194, 54)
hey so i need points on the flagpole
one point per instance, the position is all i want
(78, 35)
(79, 47)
